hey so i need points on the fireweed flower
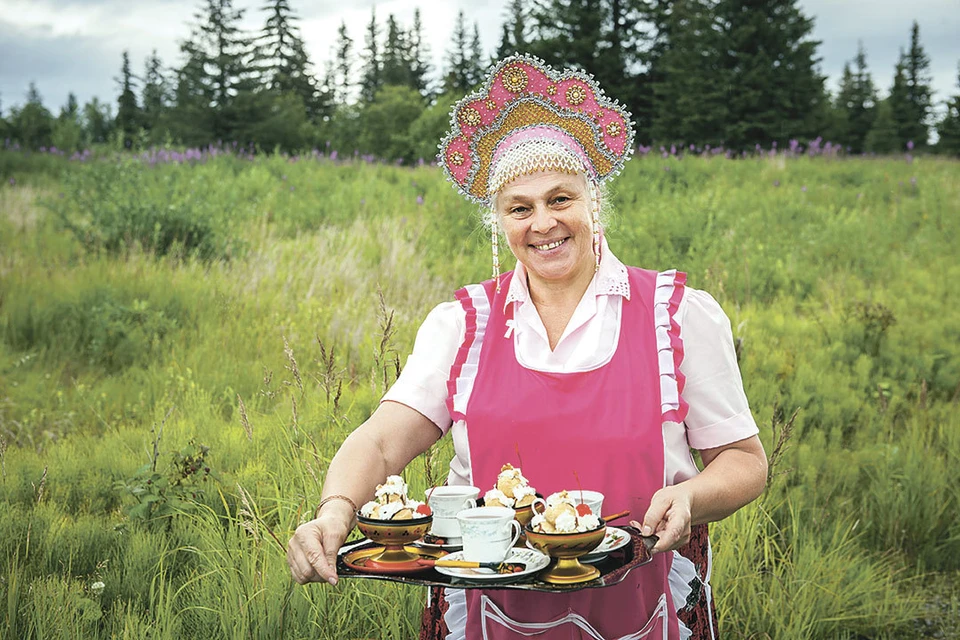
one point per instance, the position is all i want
(420, 200)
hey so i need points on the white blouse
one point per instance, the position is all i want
(718, 410)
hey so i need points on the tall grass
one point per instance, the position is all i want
(126, 365)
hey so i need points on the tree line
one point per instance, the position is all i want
(718, 73)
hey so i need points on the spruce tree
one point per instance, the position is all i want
(67, 132)
(371, 80)
(128, 114)
(71, 109)
(883, 137)
(570, 33)
(513, 38)
(154, 96)
(286, 67)
(458, 77)
(856, 101)
(770, 75)
(419, 54)
(919, 92)
(949, 128)
(690, 105)
(477, 62)
(32, 124)
(97, 121)
(217, 71)
(343, 67)
(396, 63)
(901, 109)
(654, 36)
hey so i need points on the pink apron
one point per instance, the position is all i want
(603, 426)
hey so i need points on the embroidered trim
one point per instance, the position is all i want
(611, 280)
(463, 374)
(669, 292)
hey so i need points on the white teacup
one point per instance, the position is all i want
(488, 533)
(593, 499)
(446, 502)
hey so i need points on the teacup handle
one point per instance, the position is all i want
(540, 501)
(470, 504)
(517, 527)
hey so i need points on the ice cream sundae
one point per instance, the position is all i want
(392, 503)
(563, 515)
(512, 490)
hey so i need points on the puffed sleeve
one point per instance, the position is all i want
(422, 384)
(718, 410)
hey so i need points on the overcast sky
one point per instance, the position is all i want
(76, 45)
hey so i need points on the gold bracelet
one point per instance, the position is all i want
(336, 496)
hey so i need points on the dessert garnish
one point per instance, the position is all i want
(512, 490)
(392, 503)
(563, 515)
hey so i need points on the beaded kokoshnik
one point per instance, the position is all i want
(526, 118)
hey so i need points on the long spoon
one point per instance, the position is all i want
(615, 516)
(498, 567)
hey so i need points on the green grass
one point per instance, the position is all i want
(126, 361)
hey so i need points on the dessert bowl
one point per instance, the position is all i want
(566, 549)
(393, 535)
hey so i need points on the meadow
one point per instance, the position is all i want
(184, 343)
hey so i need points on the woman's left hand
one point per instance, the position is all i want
(669, 517)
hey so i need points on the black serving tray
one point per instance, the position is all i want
(613, 569)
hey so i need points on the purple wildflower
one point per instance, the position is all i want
(910, 145)
(803, 188)
(420, 200)
(913, 181)
(12, 182)
(776, 183)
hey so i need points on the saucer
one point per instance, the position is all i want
(534, 561)
(436, 543)
(613, 539)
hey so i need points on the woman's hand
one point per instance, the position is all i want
(312, 552)
(669, 517)
(732, 476)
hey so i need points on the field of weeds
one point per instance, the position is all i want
(184, 344)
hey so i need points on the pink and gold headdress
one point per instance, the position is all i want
(527, 118)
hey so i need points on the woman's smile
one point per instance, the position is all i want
(546, 219)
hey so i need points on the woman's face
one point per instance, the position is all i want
(546, 219)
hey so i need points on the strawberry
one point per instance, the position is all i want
(424, 509)
(583, 510)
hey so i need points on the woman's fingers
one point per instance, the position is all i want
(669, 518)
(312, 553)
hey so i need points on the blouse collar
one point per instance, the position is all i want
(610, 280)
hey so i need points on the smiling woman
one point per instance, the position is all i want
(572, 361)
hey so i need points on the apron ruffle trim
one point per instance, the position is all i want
(667, 296)
(463, 374)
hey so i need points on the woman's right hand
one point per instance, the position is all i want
(312, 551)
